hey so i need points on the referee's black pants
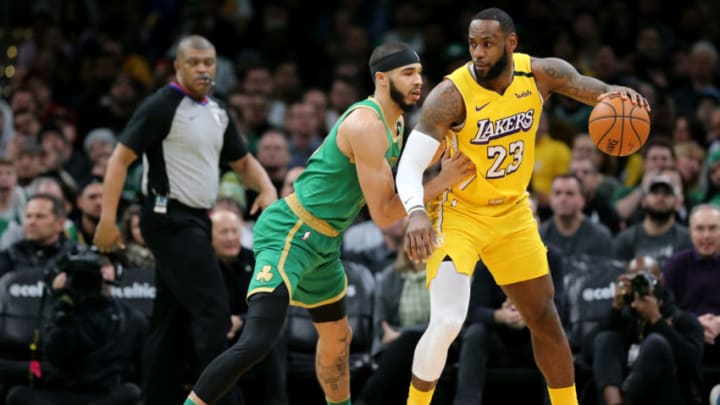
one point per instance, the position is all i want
(191, 299)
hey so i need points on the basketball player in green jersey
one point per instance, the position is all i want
(297, 239)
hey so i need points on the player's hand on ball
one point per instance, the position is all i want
(627, 93)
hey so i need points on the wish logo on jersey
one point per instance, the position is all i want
(489, 130)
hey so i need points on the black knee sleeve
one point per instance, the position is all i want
(263, 326)
(328, 313)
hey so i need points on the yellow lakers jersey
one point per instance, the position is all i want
(498, 135)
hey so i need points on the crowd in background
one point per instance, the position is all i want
(74, 72)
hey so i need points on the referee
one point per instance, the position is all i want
(183, 134)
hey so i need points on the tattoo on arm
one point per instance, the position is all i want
(565, 80)
(442, 109)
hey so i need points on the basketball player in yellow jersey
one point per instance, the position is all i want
(489, 110)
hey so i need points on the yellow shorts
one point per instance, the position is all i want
(509, 244)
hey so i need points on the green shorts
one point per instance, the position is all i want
(293, 247)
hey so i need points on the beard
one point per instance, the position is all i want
(660, 216)
(496, 69)
(399, 98)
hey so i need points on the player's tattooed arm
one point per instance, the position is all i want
(442, 109)
(558, 76)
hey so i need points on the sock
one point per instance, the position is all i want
(189, 401)
(345, 402)
(563, 396)
(417, 397)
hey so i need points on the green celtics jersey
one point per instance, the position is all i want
(329, 188)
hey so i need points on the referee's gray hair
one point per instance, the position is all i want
(702, 207)
(195, 42)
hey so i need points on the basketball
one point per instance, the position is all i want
(618, 127)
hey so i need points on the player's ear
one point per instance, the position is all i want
(512, 41)
(380, 79)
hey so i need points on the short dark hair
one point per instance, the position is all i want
(571, 176)
(386, 49)
(658, 143)
(506, 22)
(58, 206)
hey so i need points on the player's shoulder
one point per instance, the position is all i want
(163, 101)
(444, 103)
(362, 120)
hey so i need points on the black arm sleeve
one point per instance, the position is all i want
(151, 121)
(234, 147)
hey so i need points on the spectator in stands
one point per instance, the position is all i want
(552, 158)
(319, 99)
(568, 228)
(712, 194)
(27, 125)
(12, 197)
(584, 148)
(702, 69)
(237, 264)
(495, 333)
(372, 246)
(114, 108)
(98, 146)
(343, 92)
(255, 116)
(288, 186)
(26, 156)
(647, 351)
(44, 239)
(92, 341)
(304, 131)
(56, 153)
(658, 235)
(136, 253)
(400, 315)
(273, 153)
(657, 154)
(52, 186)
(599, 189)
(692, 276)
(690, 160)
(89, 204)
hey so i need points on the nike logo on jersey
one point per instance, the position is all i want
(523, 94)
(481, 107)
(488, 130)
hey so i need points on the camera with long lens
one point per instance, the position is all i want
(83, 270)
(643, 283)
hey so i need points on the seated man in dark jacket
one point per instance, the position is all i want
(646, 350)
(92, 343)
(44, 239)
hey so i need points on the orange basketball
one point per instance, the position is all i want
(618, 127)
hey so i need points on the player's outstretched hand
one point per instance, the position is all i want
(420, 236)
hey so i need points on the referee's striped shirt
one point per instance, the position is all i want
(182, 141)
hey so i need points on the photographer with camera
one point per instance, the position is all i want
(647, 351)
(91, 342)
